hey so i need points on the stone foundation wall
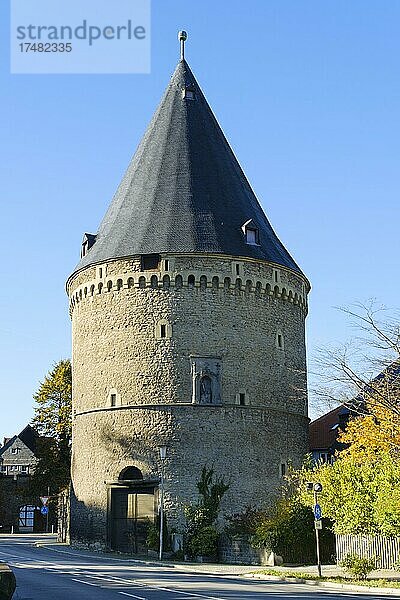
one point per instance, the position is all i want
(238, 551)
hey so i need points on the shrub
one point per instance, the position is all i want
(358, 566)
(204, 542)
(286, 528)
(201, 533)
(244, 523)
(153, 535)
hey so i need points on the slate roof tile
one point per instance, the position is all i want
(184, 191)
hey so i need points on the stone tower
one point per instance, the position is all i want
(188, 322)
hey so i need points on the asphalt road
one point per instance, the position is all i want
(45, 574)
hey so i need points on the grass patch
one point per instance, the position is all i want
(388, 583)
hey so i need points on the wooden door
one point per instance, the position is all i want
(131, 513)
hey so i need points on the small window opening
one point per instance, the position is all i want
(163, 330)
(100, 273)
(280, 341)
(237, 269)
(113, 399)
(283, 469)
(188, 94)
(242, 399)
(166, 265)
(276, 276)
(150, 262)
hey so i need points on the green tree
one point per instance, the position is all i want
(53, 421)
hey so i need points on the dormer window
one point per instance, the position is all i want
(87, 242)
(251, 233)
(188, 94)
(251, 236)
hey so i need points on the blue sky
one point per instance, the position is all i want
(307, 93)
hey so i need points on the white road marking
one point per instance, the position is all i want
(174, 591)
(85, 582)
(132, 596)
(112, 579)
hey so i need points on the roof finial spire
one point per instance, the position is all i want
(182, 37)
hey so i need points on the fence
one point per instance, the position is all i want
(384, 550)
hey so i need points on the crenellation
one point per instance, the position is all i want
(206, 279)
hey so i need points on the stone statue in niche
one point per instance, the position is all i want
(206, 379)
(205, 390)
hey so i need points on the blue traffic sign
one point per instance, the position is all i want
(317, 512)
(44, 510)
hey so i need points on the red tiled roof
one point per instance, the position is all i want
(321, 434)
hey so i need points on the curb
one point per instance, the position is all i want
(327, 584)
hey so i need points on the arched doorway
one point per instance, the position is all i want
(132, 509)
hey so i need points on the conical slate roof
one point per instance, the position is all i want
(184, 191)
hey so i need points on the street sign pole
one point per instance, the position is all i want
(317, 534)
(47, 516)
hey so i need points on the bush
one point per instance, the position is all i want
(201, 534)
(286, 528)
(244, 523)
(153, 535)
(204, 542)
(358, 566)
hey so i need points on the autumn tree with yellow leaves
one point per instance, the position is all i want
(361, 489)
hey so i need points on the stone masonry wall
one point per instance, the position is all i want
(116, 350)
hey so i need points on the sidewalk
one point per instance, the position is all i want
(195, 567)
